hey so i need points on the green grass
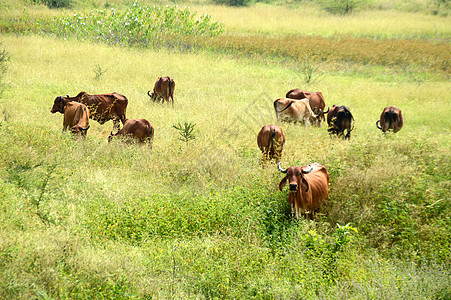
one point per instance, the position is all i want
(88, 219)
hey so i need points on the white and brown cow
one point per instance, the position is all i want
(291, 110)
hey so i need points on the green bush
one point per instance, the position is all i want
(56, 3)
(232, 2)
(341, 7)
(138, 25)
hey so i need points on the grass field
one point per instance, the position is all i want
(88, 219)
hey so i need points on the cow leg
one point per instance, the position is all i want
(116, 124)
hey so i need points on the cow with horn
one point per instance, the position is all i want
(308, 188)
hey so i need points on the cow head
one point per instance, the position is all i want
(58, 105)
(295, 178)
(151, 95)
(111, 137)
(315, 119)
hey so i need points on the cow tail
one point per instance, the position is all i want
(171, 89)
(270, 142)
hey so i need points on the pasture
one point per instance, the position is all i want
(203, 220)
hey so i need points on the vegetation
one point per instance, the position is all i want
(88, 219)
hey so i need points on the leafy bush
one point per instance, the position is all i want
(341, 7)
(232, 2)
(56, 3)
(138, 25)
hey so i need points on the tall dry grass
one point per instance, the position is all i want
(92, 219)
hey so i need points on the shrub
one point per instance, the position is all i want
(138, 25)
(341, 7)
(232, 2)
(56, 3)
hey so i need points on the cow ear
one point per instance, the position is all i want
(304, 184)
(283, 182)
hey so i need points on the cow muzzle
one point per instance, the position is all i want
(293, 187)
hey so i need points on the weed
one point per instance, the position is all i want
(186, 131)
(99, 72)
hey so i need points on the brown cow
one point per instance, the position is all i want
(163, 89)
(391, 118)
(339, 119)
(309, 188)
(103, 107)
(316, 100)
(76, 116)
(291, 110)
(270, 140)
(139, 130)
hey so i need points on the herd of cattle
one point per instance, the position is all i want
(308, 185)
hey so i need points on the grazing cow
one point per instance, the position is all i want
(316, 100)
(76, 116)
(270, 140)
(103, 107)
(291, 110)
(309, 188)
(339, 119)
(139, 130)
(391, 118)
(163, 89)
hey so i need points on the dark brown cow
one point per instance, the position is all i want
(316, 100)
(103, 107)
(339, 119)
(139, 130)
(292, 110)
(391, 119)
(76, 116)
(270, 140)
(163, 89)
(309, 188)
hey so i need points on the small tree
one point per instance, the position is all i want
(99, 72)
(186, 131)
(340, 7)
(232, 2)
(308, 72)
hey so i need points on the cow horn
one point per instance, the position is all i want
(327, 110)
(319, 114)
(377, 124)
(85, 128)
(307, 171)
(280, 168)
(148, 93)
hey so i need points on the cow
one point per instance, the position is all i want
(309, 188)
(139, 130)
(270, 140)
(103, 107)
(339, 119)
(291, 110)
(316, 100)
(76, 116)
(163, 89)
(391, 119)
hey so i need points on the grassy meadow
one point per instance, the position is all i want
(203, 220)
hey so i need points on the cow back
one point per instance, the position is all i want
(318, 181)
